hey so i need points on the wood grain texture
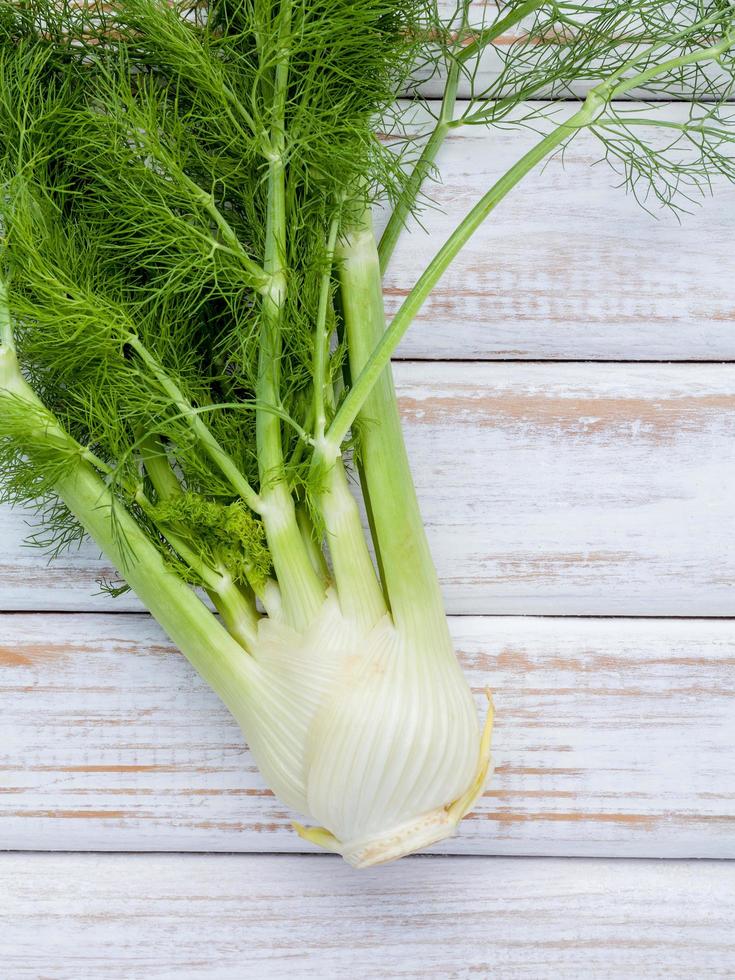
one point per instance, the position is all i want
(81, 917)
(568, 267)
(564, 489)
(613, 737)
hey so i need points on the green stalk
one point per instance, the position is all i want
(375, 363)
(358, 589)
(258, 275)
(322, 335)
(695, 57)
(492, 33)
(158, 468)
(703, 54)
(615, 125)
(425, 162)
(208, 442)
(239, 615)
(207, 645)
(301, 590)
(585, 116)
(7, 340)
(499, 106)
(421, 170)
(410, 578)
(313, 545)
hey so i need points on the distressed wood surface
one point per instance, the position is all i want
(613, 737)
(73, 917)
(568, 267)
(563, 489)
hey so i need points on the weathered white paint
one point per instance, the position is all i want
(613, 737)
(261, 918)
(565, 489)
(568, 267)
(577, 489)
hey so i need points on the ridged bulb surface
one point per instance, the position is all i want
(361, 732)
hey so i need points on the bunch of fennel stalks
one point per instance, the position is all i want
(193, 336)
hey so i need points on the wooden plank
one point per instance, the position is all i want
(568, 267)
(28, 581)
(564, 489)
(169, 916)
(577, 489)
(613, 737)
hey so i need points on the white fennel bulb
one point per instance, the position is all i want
(370, 737)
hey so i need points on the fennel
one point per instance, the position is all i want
(193, 340)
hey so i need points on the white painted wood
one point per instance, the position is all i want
(613, 738)
(84, 917)
(28, 581)
(577, 489)
(568, 267)
(565, 489)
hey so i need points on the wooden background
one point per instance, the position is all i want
(569, 400)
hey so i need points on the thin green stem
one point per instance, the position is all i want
(269, 430)
(209, 443)
(236, 105)
(99, 464)
(308, 533)
(268, 426)
(305, 440)
(360, 596)
(695, 57)
(498, 107)
(220, 660)
(598, 97)
(662, 67)
(258, 275)
(380, 357)
(422, 169)
(321, 334)
(158, 468)
(239, 614)
(615, 125)
(301, 590)
(425, 162)
(445, 122)
(496, 30)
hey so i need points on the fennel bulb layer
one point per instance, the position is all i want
(362, 731)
